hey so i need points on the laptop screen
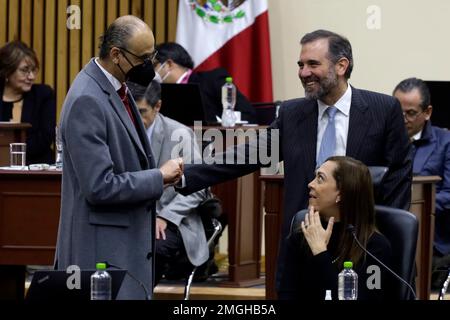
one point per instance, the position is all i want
(52, 285)
(182, 102)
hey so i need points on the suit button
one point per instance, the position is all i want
(149, 255)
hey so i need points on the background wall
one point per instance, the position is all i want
(413, 40)
(63, 51)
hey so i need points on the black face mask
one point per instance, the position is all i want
(142, 74)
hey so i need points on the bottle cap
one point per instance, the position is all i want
(101, 266)
(228, 79)
(348, 264)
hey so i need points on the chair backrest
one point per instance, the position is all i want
(400, 227)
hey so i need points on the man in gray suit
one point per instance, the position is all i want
(179, 227)
(110, 182)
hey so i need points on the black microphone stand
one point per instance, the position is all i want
(352, 231)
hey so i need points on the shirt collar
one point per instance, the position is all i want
(417, 136)
(114, 82)
(343, 104)
(185, 77)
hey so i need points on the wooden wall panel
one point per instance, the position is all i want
(63, 52)
(75, 48)
(26, 20)
(13, 22)
(38, 35)
(50, 45)
(87, 50)
(3, 21)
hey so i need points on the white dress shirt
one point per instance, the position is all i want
(341, 121)
(115, 83)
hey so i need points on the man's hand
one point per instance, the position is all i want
(161, 226)
(172, 171)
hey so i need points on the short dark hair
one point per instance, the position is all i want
(338, 47)
(117, 35)
(410, 84)
(151, 94)
(175, 52)
(11, 55)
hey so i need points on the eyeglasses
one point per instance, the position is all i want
(412, 115)
(25, 71)
(146, 58)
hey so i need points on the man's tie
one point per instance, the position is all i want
(328, 144)
(123, 96)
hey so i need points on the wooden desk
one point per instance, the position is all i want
(29, 215)
(10, 132)
(241, 200)
(422, 205)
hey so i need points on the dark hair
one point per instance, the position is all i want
(175, 52)
(338, 47)
(151, 94)
(10, 57)
(410, 84)
(357, 205)
(117, 35)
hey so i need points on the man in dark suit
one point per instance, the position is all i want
(431, 147)
(367, 126)
(174, 65)
(110, 182)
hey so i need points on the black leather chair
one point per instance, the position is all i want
(400, 227)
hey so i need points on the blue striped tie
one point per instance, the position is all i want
(328, 144)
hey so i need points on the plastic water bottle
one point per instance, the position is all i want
(348, 283)
(228, 103)
(59, 149)
(101, 283)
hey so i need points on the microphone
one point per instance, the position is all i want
(147, 296)
(350, 228)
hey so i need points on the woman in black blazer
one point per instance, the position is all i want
(23, 101)
(340, 195)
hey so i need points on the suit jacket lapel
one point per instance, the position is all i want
(94, 71)
(308, 128)
(157, 139)
(358, 124)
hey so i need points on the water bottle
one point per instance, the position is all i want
(348, 283)
(228, 103)
(101, 283)
(59, 148)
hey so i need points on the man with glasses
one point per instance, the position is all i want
(110, 182)
(431, 147)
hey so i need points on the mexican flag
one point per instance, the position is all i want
(233, 34)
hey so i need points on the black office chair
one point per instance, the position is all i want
(400, 227)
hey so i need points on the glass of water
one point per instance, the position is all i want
(17, 155)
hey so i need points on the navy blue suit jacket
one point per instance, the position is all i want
(377, 136)
(432, 158)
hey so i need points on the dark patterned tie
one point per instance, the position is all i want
(123, 96)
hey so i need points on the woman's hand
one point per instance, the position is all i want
(316, 236)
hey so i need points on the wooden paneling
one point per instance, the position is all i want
(3, 21)
(26, 20)
(62, 52)
(38, 34)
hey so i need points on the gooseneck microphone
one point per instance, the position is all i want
(147, 296)
(350, 228)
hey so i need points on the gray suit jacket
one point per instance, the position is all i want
(170, 139)
(109, 184)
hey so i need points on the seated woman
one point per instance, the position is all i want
(341, 194)
(23, 101)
